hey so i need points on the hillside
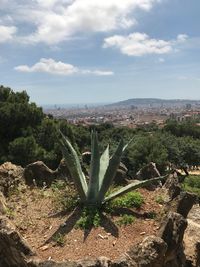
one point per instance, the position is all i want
(154, 102)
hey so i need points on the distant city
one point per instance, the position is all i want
(130, 113)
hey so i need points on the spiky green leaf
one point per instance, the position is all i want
(73, 163)
(124, 148)
(134, 185)
(104, 162)
(93, 188)
(111, 171)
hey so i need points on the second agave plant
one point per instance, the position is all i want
(103, 169)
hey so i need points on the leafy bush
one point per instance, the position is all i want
(59, 239)
(89, 218)
(192, 184)
(24, 150)
(64, 196)
(159, 199)
(126, 219)
(129, 200)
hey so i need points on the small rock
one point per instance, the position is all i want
(142, 233)
(44, 247)
(102, 237)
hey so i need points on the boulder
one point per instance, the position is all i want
(172, 232)
(182, 204)
(38, 173)
(62, 172)
(13, 248)
(147, 172)
(172, 185)
(149, 253)
(10, 177)
(198, 254)
(192, 236)
(2, 204)
(121, 175)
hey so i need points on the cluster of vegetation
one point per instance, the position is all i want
(192, 184)
(93, 217)
(27, 135)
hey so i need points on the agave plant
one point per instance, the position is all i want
(102, 172)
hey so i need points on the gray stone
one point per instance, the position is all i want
(10, 177)
(2, 204)
(38, 173)
(147, 172)
(13, 248)
(172, 185)
(149, 253)
(172, 232)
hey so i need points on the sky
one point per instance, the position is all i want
(100, 51)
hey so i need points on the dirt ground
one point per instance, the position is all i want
(54, 236)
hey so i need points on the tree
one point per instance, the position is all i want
(24, 150)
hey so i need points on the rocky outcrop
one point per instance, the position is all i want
(10, 177)
(182, 204)
(62, 172)
(150, 253)
(172, 185)
(2, 204)
(14, 250)
(172, 232)
(192, 236)
(197, 252)
(147, 172)
(121, 175)
(38, 173)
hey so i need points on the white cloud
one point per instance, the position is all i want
(7, 33)
(49, 66)
(57, 67)
(182, 37)
(140, 44)
(57, 20)
(98, 72)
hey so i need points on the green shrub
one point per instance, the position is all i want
(64, 197)
(59, 239)
(129, 200)
(159, 199)
(192, 184)
(89, 218)
(126, 219)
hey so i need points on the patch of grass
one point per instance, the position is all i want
(59, 239)
(64, 197)
(10, 213)
(13, 191)
(126, 219)
(129, 200)
(58, 185)
(151, 215)
(192, 184)
(89, 218)
(159, 199)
